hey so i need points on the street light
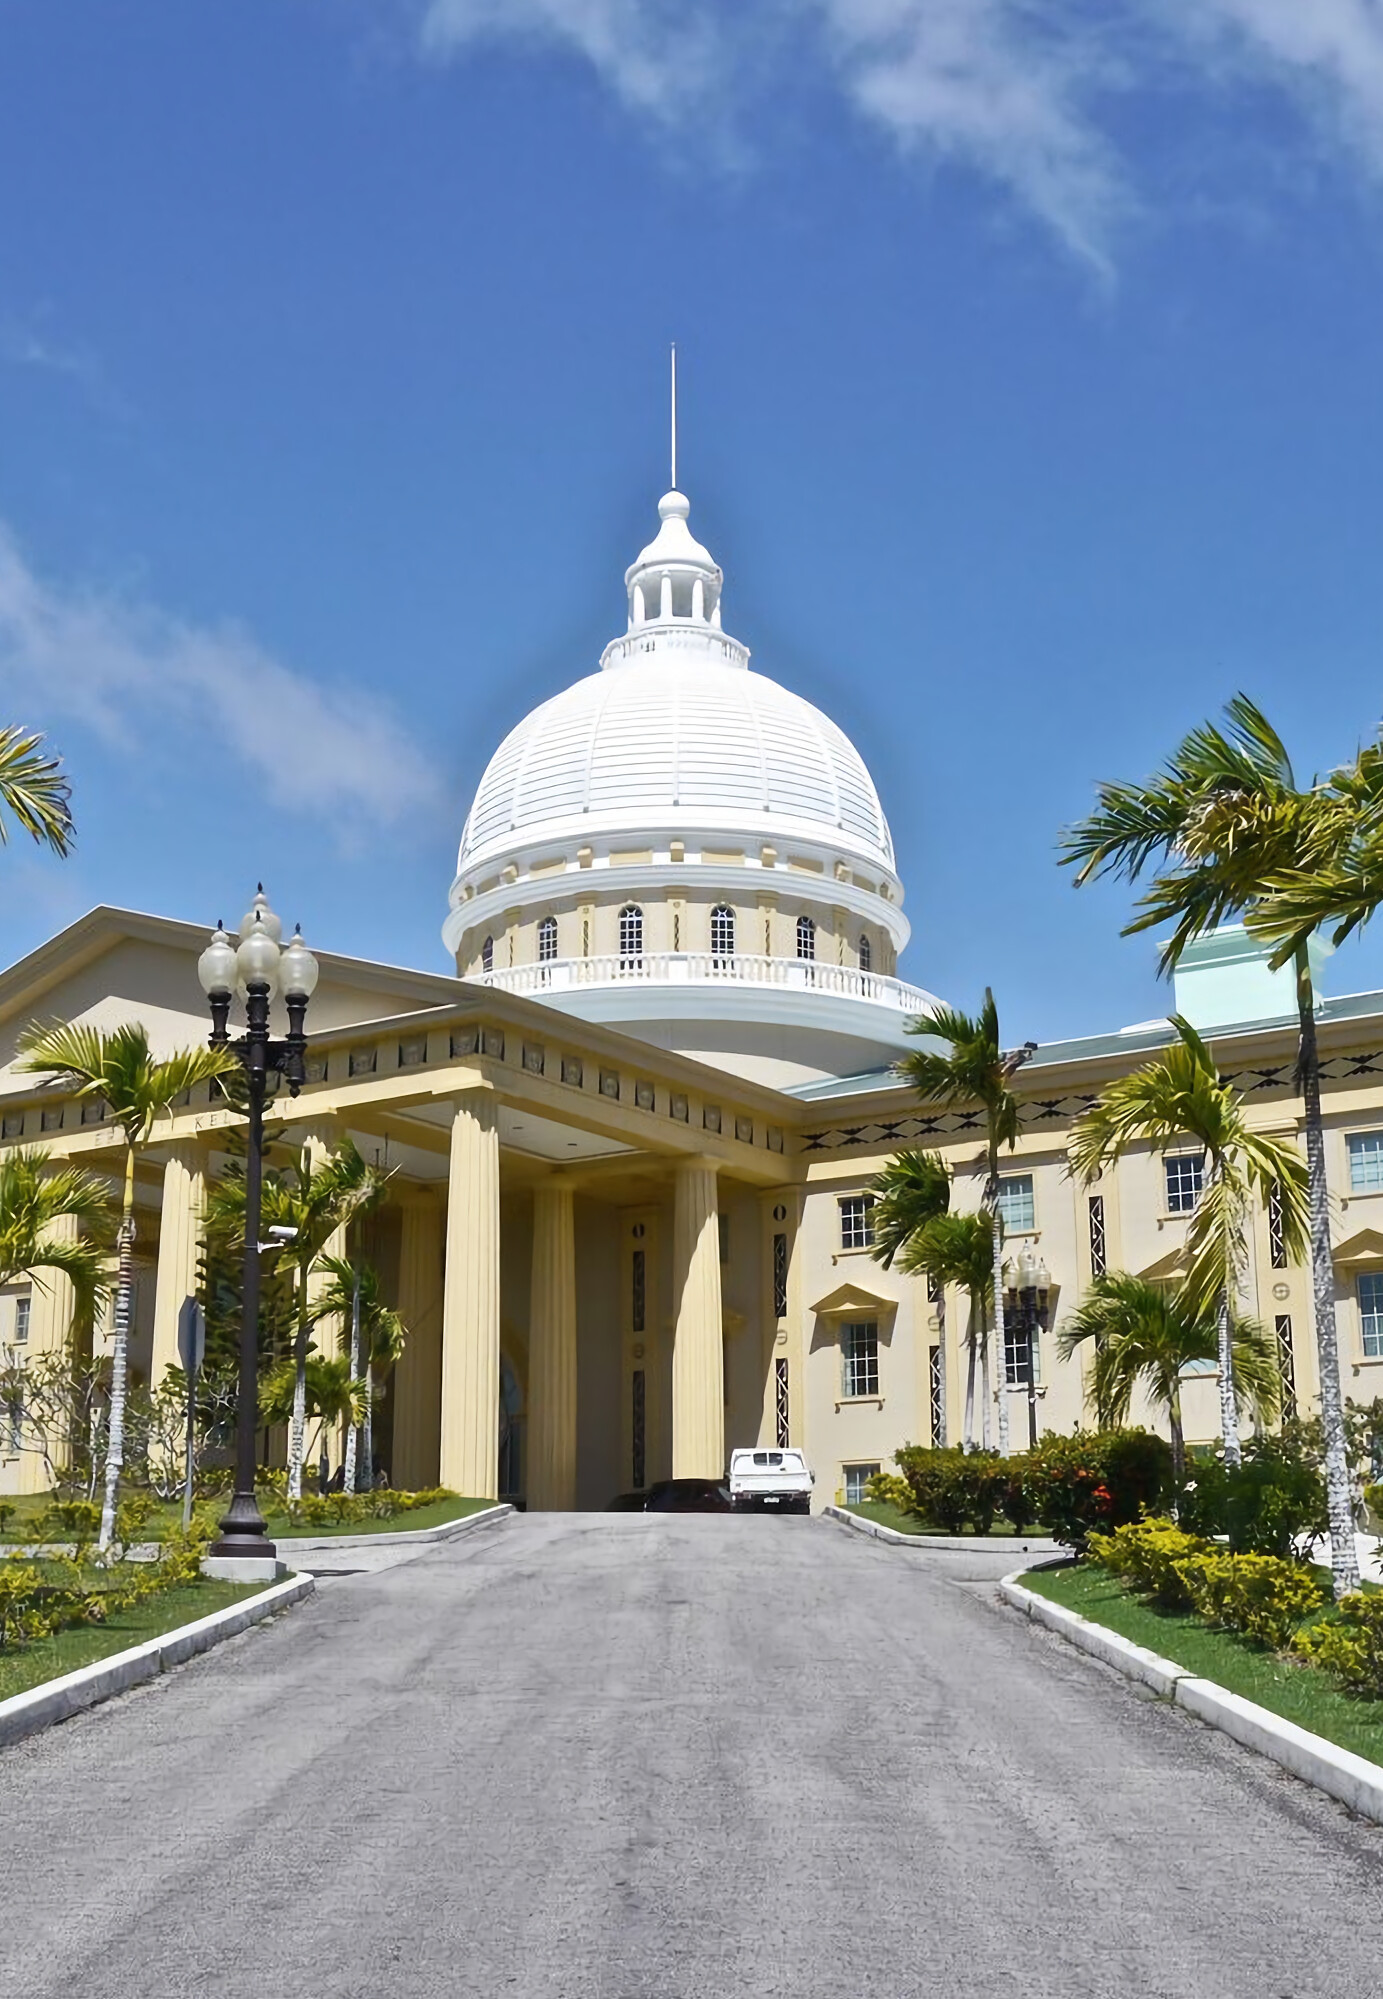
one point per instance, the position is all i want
(256, 968)
(1028, 1283)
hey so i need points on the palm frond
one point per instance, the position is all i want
(912, 1189)
(34, 791)
(116, 1066)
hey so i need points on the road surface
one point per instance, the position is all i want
(628, 1757)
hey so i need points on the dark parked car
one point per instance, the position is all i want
(688, 1495)
(627, 1502)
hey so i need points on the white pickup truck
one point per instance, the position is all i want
(760, 1480)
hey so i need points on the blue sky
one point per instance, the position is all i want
(1030, 392)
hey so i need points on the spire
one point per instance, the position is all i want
(673, 481)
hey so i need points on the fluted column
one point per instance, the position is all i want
(184, 1189)
(319, 1143)
(698, 1378)
(417, 1384)
(470, 1303)
(552, 1352)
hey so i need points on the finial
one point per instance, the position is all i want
(674, 417)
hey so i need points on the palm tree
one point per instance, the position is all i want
(331, 1393)
(1180, 1094)
(33, 791)
(33, 1197)
(912, 1190)
(1230, 833)
(1146, 1332)
(958, 1249)
(116, 1068)
(377, 1337)
(314, 1201)
(976, 1071)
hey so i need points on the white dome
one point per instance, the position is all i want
(666, 739)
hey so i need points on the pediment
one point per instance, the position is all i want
(1168, 1269)
(1364, 1246)
(849, 1301)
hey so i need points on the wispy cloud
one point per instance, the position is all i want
(132, 673)
(1019, 92)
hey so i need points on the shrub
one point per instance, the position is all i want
(1149, 1555)
(132, 1516)
(1349, 1645)
(952, 1489)
(1275, 1498)
(1095, 1480)
(889, 1490)
(1259, 1595)
(69, 1520)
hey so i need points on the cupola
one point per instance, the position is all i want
(674, 580)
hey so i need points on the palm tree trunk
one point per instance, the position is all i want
(298, 1427)
(971, 1355)
(1000, 1354)
(1178, 1434)
(367, 1428)
(1344, 1561)
(119, 1360)
(986, 1399)
(941, 1425)
(1229, 1407)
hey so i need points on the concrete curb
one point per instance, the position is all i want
(57, 1700)
(1351, 1779)
(416, 1537)
(945, 1544)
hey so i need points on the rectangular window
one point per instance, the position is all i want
(857, 1221)
(857, 1478)
(637, 1413)
(1371, 1315)
(22, 1308)
(780, 1275)
(1185, 1173)
(1277, 1246)
(1016, 1207)
(859, 1360)
(781, 1411)
(1018, 1339)
(1099, 1248)
(1365, 1161)
(1286, 1362)
(638, 1302)
(14, 1424)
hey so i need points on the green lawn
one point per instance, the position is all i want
(400, 1523)
(885, 1515)
(1298, 1693)
(166, 1518)
(84, 1644)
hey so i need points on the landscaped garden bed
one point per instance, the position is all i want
(52, 1520)
(49, 1658)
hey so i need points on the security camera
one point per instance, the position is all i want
(282, 1232)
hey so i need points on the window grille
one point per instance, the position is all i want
(806, 937)
(1371, 1315)
(936, 1382)
(14, 1422)
(1365, 1161)
(857, 1221)
(1099, 1246)
(1017, 1210)
(547, 940)
(935, 1289)
(631, 933)
(723, 1231)
(780, 1275)
(637, 1303)
(866, 954)
(780, 1401)
(722, 932)
(637, 1413)
(1277, 1245)
(1286, 1362)
(859, 1359)
(22, 1307)
(857, 1478)
(487, 955)
(1185, 1174)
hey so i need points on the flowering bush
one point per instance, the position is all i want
(1259, 1595)
(1095, 1480)
(1150, 1556)
(1349, 1644)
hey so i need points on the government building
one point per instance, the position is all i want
(632, 1131)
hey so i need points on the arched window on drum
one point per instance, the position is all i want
(722, 932)
(487, 955)
(806, 937)
(866, 954)
(547, 940)
(631, 936)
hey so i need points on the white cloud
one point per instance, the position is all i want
(132, 673)
(657, 55)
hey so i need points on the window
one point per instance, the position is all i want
(1185, 1173)
(1286, 1362)
(1371, 1315)
(859, 1359)
(722, 932)
(780, 1275)
(547, 940)
(1016, 1208)
(1019, 1340)
(638, 1302)
(780, 1401)
(1277, 1243)
(21, 1320)
(14, 1423)
(487, 955)
(638, 1427)
(866, 954)
(806, 937)
(723, 1227)
(936, 1384)
(1099, 1246)
(857, 1478)
(857, 1221)
(631, 933)
(1365, 1161)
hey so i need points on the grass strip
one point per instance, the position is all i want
(166, 1518)
(435, 1515)
(1297, 1692)
(85, 1644)
(885, 1515)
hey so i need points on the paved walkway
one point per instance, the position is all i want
(629, 1757)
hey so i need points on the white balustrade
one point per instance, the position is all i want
(709, 968)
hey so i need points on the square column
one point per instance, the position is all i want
(469, 1450)
(184, 1190)
(417, 1384)
(552, 1352)
(698, 1366)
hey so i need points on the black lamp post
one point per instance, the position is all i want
(257, 968)
(1028, 1282)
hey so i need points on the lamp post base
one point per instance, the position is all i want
(243, 1568)
(242, 1533)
